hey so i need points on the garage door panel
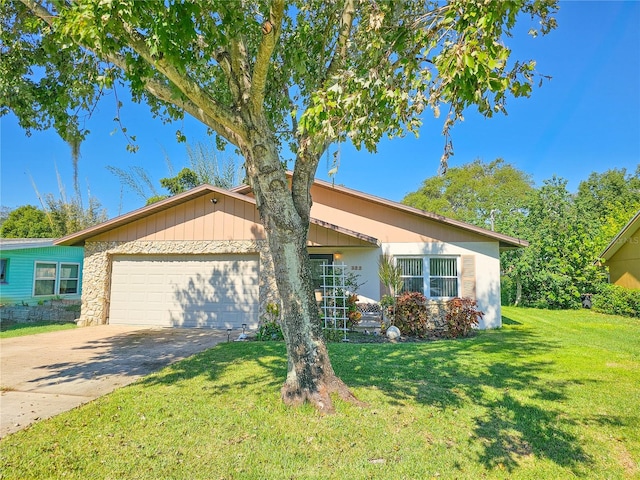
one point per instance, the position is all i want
(218, 291)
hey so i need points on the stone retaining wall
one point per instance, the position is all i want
(53, 311)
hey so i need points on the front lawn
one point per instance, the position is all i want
(12, 329)
(550, 395)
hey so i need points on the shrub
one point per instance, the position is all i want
(411, 314)
(617, 300)
(270, 327)
(462, 315)
(353, 315)
(332, 335)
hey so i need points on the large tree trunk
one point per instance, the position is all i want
(310, 376)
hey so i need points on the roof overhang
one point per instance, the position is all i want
(241, 192)
(506, 242)
(78, 238)
(374, 242)
(25, 243)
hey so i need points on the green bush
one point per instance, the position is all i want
(270, 327)
(411, 314)
(462, 315)
(332, 335)
(269, 331)
(617, 300)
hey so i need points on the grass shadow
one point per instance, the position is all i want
(509, 321)
(491, 370)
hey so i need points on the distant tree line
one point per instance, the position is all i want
(60, 216)
(56, 216)
(566, 231)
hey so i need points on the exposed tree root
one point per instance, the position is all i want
(319, 397)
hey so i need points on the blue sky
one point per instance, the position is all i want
(587, 118)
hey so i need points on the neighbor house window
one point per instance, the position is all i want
(435, 277)
(52, 278)
(69, 276)
(4, 263)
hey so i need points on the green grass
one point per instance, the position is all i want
(21, 329)
(550, 395)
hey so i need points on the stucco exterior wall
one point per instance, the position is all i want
(487, 269)
(364, 263)
(98, 261)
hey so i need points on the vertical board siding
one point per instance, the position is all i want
(197, 219)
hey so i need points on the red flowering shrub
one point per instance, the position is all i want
(462, 316)
(411, 314)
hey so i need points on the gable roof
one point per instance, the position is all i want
(622, 237)
(506, 242)
(79, 238)
(242, 193)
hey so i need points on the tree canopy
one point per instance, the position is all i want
(566, 231)
(264, 76)
(483, 194)
(356, 70)
(26, 221)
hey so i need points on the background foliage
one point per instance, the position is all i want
(566, 231)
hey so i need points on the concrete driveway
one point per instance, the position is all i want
(46, 374)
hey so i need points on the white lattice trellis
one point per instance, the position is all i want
(334, 297)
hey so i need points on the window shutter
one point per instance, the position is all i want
(468, 277)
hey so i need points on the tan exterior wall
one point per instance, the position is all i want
(383, 222)
(98, 261)
(624, 265)
(197, 219)
(229, 219)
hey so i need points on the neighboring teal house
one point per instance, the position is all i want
(33, 270)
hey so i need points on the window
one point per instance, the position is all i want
(45, 282)
(69, 278)
(412, 276)
(443, 277)
(435, 277)
(317, 261)
(4, 263)
(56, 279)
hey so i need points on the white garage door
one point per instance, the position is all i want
(216, 291)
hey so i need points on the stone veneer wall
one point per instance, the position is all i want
(96, 283)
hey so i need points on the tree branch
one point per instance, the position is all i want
(310, 150)
(271, 32)
(164, 93)
(346, 22)
(240, 78)
(198, 104)
(204, 102)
